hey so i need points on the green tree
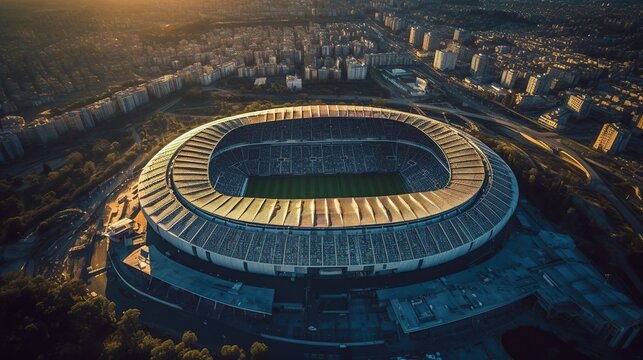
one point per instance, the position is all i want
(259, 351)
(165, 351)
(194, 354)
(232, 352)
(89, 168)
(189, 338)
(74, 158)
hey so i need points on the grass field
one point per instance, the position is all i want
(325, 186)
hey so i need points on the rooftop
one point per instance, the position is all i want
(150, 261)
(546, 265)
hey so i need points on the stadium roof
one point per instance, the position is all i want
(190, 176)
(272, 236)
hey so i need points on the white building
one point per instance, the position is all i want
(310, 73)
(508, 78)
(387, 59)
(444, 60)
(227, 69)
(293, 82)
(323, 74)
(612, 139)
(415, 36)
(355, 69)
(430, 42)
(102, 110)
(125, 101)
(480, 63)
(164, 85)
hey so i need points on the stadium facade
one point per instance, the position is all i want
(460, 193)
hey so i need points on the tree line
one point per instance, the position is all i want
(45, 319)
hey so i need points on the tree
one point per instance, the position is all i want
(232, 352)
(11, 205)
(53, 176)
(74, 158)
(32, 179)
(194, 354)
(112, 157)
(165, 351)
(43, 319)
(189, 338)
(89, 168)
(259, 351)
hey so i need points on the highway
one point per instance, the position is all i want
(553, 140)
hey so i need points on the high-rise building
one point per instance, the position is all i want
(41, 132)
(464, 53)
(60, 125)
(479, 64)
(415, 36)
(335, 73)
(539, 84)
(326, 50)
(75, 121)
(10, 147)
(102, 110)
(125, 101)
(191, 73)
(461, 35)
(394, 23)
(85, 115)
(206, 78)
(444, 60)
(612, 139)
(164, 85)
(637, 119)
(222, 71)
(580, 105)
(387, 59)
(293, 82)
(342, 50)
(555, 120)
(508, 78)
(430, 42)
(323, 74)
(310, 73)
(355, 69)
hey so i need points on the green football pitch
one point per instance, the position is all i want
(325, 186)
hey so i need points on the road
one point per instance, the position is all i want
(554, 140)
(34, 258)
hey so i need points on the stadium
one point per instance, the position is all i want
(327, 190)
